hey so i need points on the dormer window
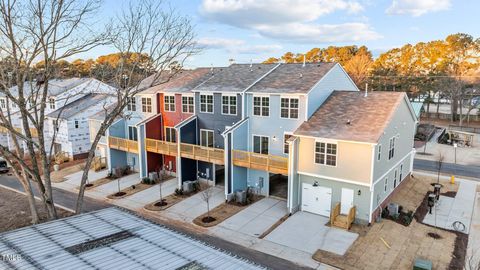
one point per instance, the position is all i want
(131, 104)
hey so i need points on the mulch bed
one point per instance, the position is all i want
(169, 201)
(274, 226)
(222, 212)
(16, 212)
(129, 191)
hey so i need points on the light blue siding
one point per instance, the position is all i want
(335, 80)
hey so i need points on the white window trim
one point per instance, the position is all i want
(76, 124)
(188, 96)
(146, 104)
(213, 137)
(200, 103)
(236, 104)
(400, 173)
(283, 145)
(128, 135)
(385, 185)
(261, 110)
(129, 104)
(326, 142)
(253, 144)
(280, 106)
(395, 179)
(165, 104)
(165, 133)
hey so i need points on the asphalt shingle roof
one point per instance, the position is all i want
(183, 81)
(235, 78)
(292, 78)
(368, 116)
(77, 106)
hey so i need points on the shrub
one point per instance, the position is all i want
(400, 208)
(407, 220)
(146, 181)
(385, 213)
(178, 191)
(395, 217)
(196, 186)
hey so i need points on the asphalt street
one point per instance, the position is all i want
(448, 168)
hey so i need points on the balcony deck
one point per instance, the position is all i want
(123, 144)
(270, 163)
(161, 147)
(207, 154)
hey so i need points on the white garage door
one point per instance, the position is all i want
(317, 200)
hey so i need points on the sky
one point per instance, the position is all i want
(253, 30)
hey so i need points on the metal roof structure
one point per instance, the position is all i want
(110, 238)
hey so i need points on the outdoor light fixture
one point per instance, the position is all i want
(315, 184)
(359, 192)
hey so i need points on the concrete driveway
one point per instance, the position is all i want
(257, 218)
(307, 232)
(194, 206)
(138, 200)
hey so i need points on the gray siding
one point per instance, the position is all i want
(216, 121)
(362, 201)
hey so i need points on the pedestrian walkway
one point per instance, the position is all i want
(449, 210)
(473, 250)
(138, 200)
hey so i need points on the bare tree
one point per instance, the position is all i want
(32, 31)
(148, 28)
(207, 192)
(51, 31)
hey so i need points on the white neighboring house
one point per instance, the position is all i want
(71, 124)
(61, 92)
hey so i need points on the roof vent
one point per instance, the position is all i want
(301, 75)
(349, 122)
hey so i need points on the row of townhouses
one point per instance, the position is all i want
(303, 132)
(70, 103)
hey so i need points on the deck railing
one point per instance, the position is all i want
(271, 163)
(123, 144)
(161, 147)
(207, 154)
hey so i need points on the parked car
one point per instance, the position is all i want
(3, 166)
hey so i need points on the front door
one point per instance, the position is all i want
(316, 199)
(347, 201)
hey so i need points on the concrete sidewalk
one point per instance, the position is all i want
(138, 200)
(449, 210)
(73, 180)
(473, 250)
(190, 208)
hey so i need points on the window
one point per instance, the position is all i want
(51, 102)
(206, 138)
(55, 125)
(401, 172)
(3, 103)
(187, 104)
(260, 144)
(206, 103)
(146, 105)
(379, 153)
(170, 134)
(132, 133)
(385, 187)
(391, 150)
(395, 179)
(289, 108)
(285, 144)
(261, 106)
(76, 123)
(169, 102)
(229, 105)
(326, 153)
(131, 104)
